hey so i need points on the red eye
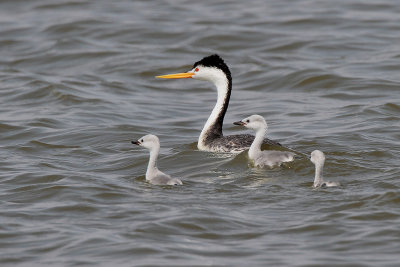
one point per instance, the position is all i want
(196, 69)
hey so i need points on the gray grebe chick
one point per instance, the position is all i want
(153, 174)
(318, 158)
(260, 158)
(214, 70)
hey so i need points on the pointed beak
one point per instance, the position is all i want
(177, 75)
(239, 123)
(136, 143)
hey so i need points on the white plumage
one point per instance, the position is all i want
(260, 158)
(318, 158)
(153, 174)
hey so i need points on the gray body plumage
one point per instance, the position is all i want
(161, 178)
(273, 158)
(235, 143)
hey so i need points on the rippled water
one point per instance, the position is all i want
(77, 85)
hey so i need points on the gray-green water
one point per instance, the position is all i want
(77, 85)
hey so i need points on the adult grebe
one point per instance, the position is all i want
(214, 69)
(318, 158)
(264, 158)
(153, 174)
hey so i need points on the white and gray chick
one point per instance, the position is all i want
(269, 158)
(153, 174)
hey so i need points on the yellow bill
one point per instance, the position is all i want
(177, 75)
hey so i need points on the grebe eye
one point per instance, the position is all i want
(196, 69)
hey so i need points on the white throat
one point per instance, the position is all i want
(318, 180)
(214, 122)
(152, 166)
(255, 147)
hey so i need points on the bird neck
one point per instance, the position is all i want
(213, 127)
(255, 147)
(318, 180)
(152, 166)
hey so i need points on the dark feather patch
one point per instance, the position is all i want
(216, 62)
(232, 143)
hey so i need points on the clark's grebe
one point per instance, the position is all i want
(264, 158)
(214, 69)
(153, 174)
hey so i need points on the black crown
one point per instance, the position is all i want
(214, 61)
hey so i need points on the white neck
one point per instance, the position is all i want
(152, 166)
(214, 122)
(318, 180)
(255, 147)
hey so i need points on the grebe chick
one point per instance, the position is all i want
(153, 174)
(214, 70)
(318, 158)
(268, 158)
